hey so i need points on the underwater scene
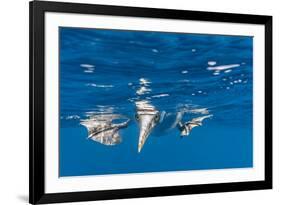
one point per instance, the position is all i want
(144, 101)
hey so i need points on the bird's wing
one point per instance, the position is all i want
(123, 124)
(108, 137)
(103, 131)
(92, 125)
(192, 125)
(187, 127)
(198, 120)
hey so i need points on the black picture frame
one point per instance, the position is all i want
(37, 10)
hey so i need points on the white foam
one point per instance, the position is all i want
(184, 72)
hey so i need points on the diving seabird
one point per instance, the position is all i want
(147, 117)
(102, 130)
(185, 128)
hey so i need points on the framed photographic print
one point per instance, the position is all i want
(140, 102)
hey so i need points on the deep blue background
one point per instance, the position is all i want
(176, 65)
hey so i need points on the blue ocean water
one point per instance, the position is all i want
(105, 72)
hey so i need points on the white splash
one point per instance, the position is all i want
(100, 86)
(227, 71)
(160, 95)
(144, 105)
(184, 72)
(193, 50)
(143, 90)
(212, 63)
(72, 117)
(155, 50)
(144, 81)
(87, 66)
(223, 67)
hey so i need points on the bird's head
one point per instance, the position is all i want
(147, 117)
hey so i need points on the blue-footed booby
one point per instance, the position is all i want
(185, 128)
(147, 117)
(102, 129)
(150, 118)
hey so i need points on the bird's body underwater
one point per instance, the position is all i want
(185, 128)
(147, 117)
(150, 119)
(102, 129)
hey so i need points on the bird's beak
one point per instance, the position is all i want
(146, 123)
